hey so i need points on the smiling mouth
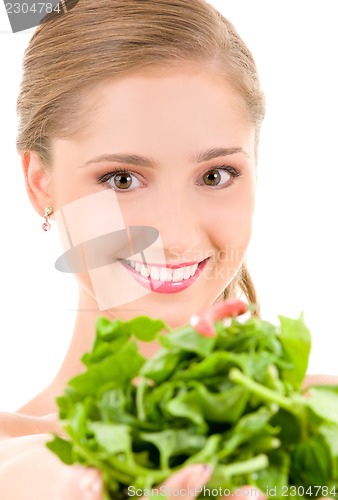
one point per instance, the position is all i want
(170, 278)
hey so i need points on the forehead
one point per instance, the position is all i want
(170, 109)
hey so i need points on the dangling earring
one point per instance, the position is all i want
(48, 211)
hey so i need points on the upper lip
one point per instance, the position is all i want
(170, 266)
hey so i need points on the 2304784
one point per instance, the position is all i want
(36, 8)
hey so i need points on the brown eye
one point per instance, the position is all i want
(220, 177)
(212, 177)
(215, 176)
(122, 181)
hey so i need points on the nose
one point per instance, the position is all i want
(180, 226)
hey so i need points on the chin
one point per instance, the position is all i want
(175, 309)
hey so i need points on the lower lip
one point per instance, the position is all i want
(165, 286)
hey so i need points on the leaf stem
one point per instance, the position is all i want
(246, 466)
(140, 390)
(292, 406)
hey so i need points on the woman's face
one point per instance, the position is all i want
(172, 153)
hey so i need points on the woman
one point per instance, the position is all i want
(139, 127)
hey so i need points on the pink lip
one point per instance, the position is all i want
(167, 286)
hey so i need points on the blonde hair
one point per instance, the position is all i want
(70, 55)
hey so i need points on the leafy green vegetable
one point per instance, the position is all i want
(233, 400)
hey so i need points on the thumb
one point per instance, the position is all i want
(187, 482)
(82, 483)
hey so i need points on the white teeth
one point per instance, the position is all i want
(164, 274)
(138, 266)
(145, 271)
(178, 274)
(193, 269)
(155, 273)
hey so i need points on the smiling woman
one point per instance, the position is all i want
(134, 115)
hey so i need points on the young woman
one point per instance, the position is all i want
(138, 131)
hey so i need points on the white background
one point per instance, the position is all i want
(293, 254)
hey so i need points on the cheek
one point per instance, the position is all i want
(232, 221)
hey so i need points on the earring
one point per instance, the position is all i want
(46, 225)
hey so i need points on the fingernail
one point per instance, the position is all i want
(194, 320)
(208, 468)
(90, 485)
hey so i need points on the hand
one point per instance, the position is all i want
(29, 470)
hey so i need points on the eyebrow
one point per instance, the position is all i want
(142, 161)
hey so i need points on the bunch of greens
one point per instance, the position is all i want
(233, 400)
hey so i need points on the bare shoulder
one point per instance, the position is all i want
(320, 380)
(16, 424)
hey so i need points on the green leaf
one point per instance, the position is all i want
(112, 438)
(155, 401)
(188, 339)
(310, 463)
(323, 401)
(187, 405)
(252, 336)
(245, 429)
(144, 328)
(62, 448)
(200, 405)
(165, 442)
(118, 368)
(106, 329)
(296, 341)
(217, 363)
(160, 366)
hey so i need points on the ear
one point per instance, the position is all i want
(38, 181)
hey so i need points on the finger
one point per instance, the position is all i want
(319, 380)
(187, 482)
(248, 492)
(82, 483)
(203, 322)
